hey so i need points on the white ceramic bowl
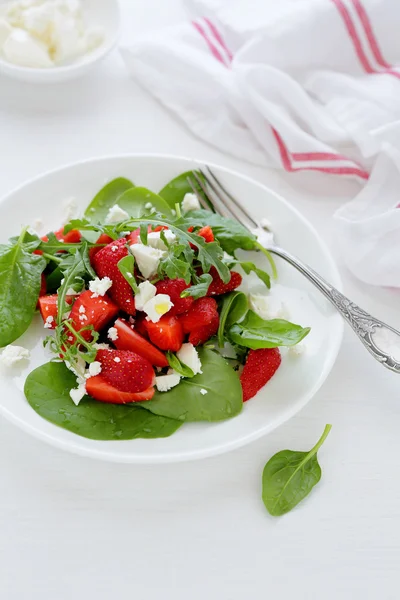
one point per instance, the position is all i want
(296, 381)
(103, 13)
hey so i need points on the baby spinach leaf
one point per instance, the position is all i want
(200, 289)
(253, 332)
(185, 402)
(289, 477)
(126, 266)
(20, 280)
(248, 267)
(233, 309)
(179, 367)
(229, 233)
(175, 191)
(134, 202)
(47, 391)
(106, 198)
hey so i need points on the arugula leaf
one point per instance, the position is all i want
(20, 281)
(47, 391)
(134, 202)
(173, 265)
(289, 477)
(233, 309)
(200, 289)
(253, 332)
(175, 191)
(127, 266)
(73, 278)
(229, 233)
(143, 233)
(248, 267)
(84, 225)
(179, 367)
(106, 198)
(185, 402)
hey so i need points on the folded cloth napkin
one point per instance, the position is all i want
(297, 84)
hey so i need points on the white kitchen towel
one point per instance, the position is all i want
(296, 84)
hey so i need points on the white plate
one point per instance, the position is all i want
(294, 384)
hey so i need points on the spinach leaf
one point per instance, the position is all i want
(229, 233)
(253, 332)
(185, 402)
(200, 289)
(47, 391)
(20, 280)
(134, 202)
(126, 266)
(289, 477)
(175, 191)
(233, 309)
(106, 198)
(248, 267)
(179, 367)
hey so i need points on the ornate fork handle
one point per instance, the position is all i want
(381, 340)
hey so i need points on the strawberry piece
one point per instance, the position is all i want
(126, 370)
(128, 339)
(103, 239)
(217, 286)
(48, 308)
(92, 311)
(134, 236)
(201, 335)
(201, 314)
(166, 334)
(260, 366)
(72, 237)
(205, 232)
(98, 388)
(105, 263)
(174, 288)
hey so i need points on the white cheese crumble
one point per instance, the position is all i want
(154, 239)
(117, 359)
(99, 286)
(166, 382)
(190, 202)
(116, 214)
(94, 368)
(13, 354)
(297, 350)
(157, 306)
(82, 309)
(147, 291)
(188, 356)
(48, 324)
(147, 259)
(112, 334)
(78, 393)
(102, 346)
(203, 392)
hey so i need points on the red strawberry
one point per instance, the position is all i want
(260, 366)
(134, 236)
(174, 288)
(201, 335)
(48, 308)
(105, 263)
(205, 232)
(103, 239)
(98, 388)
(201, 314)
(125, 370)
(72, 237)
(166, 334)
(217, 286)
(128, 339)
(92, 311)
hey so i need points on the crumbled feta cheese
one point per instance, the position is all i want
(157, 306)
(82, 309)
(297, 350)
(147, 291)
(78, 393)
(190, 202)
(48, 324)
(112, 334)
(94, 368)
(188, 356)
(13, 354)
(166, 382)
(114, 248)
(70, 207)
(117, 359)
(22, 49)
(203, 392)
(147, 259)
(148, 205)
(155, 241)
(102, 346)
(100, 286)
(115, 215)
(268, 307)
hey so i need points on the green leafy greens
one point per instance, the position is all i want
(253, 332)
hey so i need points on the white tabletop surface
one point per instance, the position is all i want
(74, 528)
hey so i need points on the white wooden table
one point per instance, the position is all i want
(73, 528)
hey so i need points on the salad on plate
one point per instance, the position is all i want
(146, 315)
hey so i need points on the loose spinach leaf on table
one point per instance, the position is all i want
(289, 476)
(175, 191)
(253, 332)
(106, 198)
(248, 267)
(233, 309)
(20, 281)
(224, 398)
(47, 391)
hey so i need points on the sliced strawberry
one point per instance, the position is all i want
(98, 388)
(217, 286)
(103, 239)
(174, 288)
(205, 232)
(48, 308)
(166, 334)
(72, 237)
(128, 339)
(92, 311)
(260, 366)
(126, 370)
(201, 335)
(105, 263)
(201, 313)
(134, 236)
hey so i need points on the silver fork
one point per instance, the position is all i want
(381, 340)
